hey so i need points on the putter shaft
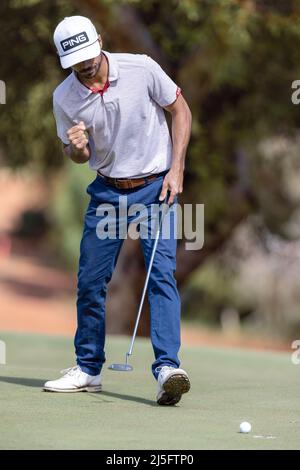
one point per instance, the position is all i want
(164, 211)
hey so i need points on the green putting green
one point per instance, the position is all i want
(228, 386)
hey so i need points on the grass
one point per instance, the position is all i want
(228, 386)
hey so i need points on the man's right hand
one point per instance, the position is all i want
(77, 136)
(78, 149)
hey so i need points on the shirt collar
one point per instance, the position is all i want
(113, 74)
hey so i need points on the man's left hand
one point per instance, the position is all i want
(173, 182)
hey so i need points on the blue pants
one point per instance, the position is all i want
(98, 258)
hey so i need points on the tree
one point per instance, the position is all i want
(235, 62)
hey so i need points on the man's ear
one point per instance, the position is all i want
(100, 41)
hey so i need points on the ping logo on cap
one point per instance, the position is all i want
(74, 41)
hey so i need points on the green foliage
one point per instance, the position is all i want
(209, 290)
(234, 60)
(31, 71)
(67, 211)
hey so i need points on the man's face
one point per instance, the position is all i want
(88, 68)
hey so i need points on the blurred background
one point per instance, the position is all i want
(235, 62)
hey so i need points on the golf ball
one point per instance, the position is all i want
(245, 427)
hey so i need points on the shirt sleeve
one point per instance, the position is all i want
(161, 87)
(63, 122)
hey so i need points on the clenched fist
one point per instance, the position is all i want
(77, 136)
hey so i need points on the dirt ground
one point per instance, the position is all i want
(41, 299)
(35, 297)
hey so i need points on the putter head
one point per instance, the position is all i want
(121, 367)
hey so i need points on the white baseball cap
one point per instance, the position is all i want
(76, 40)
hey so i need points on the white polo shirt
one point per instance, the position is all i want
(128, 132)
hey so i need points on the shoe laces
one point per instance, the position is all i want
(70, 371)
(165, 369)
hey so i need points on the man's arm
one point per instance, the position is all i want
(78, 149)
(181, 132)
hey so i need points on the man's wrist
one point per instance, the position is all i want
(77, 151)
(78, 155)
(177, 167)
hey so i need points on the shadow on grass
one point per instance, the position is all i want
(126, 397)
(23, 381)
(40, 382)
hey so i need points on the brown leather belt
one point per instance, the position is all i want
(128, 183)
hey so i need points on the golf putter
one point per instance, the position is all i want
(127, 367)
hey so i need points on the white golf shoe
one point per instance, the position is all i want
(172, 383)
(74, 380)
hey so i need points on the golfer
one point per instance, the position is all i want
(109, 112)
